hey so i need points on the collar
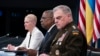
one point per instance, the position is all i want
(51, 28)
(67, 27)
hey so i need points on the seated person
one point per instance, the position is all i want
(47, 22)
(33, 38)
(69, 41)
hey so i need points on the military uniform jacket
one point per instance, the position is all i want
(73, 43)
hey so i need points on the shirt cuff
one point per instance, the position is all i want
(16, 48)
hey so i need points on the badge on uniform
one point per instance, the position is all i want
(57, 52)
(75, 32)
(59, 42)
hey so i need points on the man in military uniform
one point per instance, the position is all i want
(69, 41)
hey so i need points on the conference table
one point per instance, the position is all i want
(4, 41)
(12, 53)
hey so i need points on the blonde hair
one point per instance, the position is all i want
(31, 17)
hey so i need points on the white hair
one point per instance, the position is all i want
(64, 8)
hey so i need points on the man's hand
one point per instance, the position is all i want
(22, 49)
(31, 52)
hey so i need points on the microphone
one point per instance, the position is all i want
(17, 37)
(8, 34)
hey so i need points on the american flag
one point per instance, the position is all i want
(92, 18)
(96, 21)
(81, 22)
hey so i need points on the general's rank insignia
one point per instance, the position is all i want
(59, 43)
(74, 27)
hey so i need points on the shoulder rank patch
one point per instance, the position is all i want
(75, 32)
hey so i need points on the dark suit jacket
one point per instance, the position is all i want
(73, 44)
(45, 47)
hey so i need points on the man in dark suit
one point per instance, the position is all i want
(69, 41)
(47, 22)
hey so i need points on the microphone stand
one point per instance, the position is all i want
(5, 35)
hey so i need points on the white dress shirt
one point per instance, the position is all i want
(51, 28)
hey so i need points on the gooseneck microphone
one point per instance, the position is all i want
(5, 35)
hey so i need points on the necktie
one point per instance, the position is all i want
(44, 40)
(46, 36)
(29, 41)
